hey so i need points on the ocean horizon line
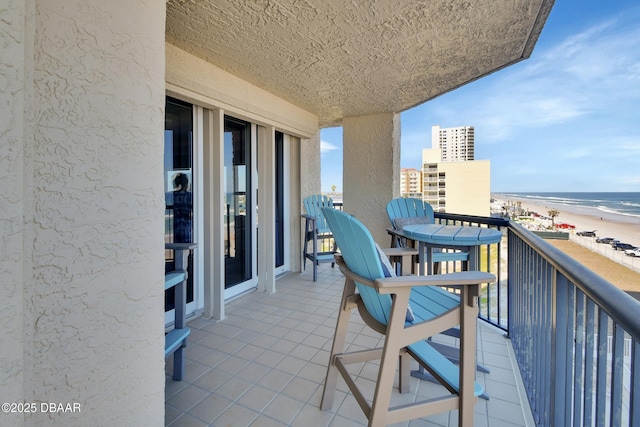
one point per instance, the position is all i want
(624, 205)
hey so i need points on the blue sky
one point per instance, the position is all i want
(566, 119)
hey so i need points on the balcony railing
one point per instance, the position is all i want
(575, 336)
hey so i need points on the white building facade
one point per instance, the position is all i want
(459, 187)
(456, 144)
(410, 182)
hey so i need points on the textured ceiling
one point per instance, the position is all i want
(341, 59)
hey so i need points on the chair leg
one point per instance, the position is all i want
(389, 360)
(404, 382)
(305, 242)
(308, 235)
(342, 325)
(468, 326)
(436, 268)
(315, 255)
(315, 271)
(178, 364)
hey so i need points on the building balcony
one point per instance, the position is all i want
(560, 344)
(264, 365)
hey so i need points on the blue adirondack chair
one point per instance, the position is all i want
(176, 339)
(407, 310)
(316, 231)
(405, 211)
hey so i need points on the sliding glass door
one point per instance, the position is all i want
(228, 266)
(179, 190)
(238, 211)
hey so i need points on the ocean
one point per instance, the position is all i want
(625, 207)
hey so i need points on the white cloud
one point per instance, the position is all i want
(595, 71)
(549, 122)
(326, 147)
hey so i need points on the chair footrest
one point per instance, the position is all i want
(322, 257)
(173, 278)
(450, 256)
(440, 365)
(175, 339)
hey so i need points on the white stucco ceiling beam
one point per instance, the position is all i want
(339, 59)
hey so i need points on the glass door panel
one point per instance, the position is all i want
(178, 184)
(238, 217)
(279, 175)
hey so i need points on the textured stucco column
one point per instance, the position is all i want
(309, 182)
(82, 245)
(371, 169)
(310, 166)
(267, 211)
(295, 203)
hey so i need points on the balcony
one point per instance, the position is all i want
(559, 341)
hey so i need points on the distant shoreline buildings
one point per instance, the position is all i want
(451, 180)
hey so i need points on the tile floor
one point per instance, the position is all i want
(264, 365)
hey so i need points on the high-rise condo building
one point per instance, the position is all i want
(452, 181)
(410, 182)
(456, 144)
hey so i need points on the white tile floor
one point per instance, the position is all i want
(264, 365)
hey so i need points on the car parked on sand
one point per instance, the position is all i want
(587, 233)
(606, 240)
(619, 246)
(633, 252)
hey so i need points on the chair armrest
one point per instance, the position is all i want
(399, 239)
(396, 237)
(395, 232)
(463, 278)
(390, 285)
(309, 222)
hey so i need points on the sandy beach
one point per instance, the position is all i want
(607, 225)
(619, 227)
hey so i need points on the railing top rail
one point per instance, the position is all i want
(619, 305)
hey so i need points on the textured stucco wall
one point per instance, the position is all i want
(15, 28)
(84, 248)
(202, 83)
(371, 169)
(310, 166)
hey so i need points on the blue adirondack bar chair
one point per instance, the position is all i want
(406, 211)
(316, 231)
(407, 310)
(176, 340)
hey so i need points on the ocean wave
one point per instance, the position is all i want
(626, 205)
(549, 199)
(558, 199)
(610, 210)
(635, 205)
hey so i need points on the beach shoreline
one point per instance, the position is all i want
(613, 266)
(606, 224)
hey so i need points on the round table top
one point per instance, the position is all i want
(462, 235)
